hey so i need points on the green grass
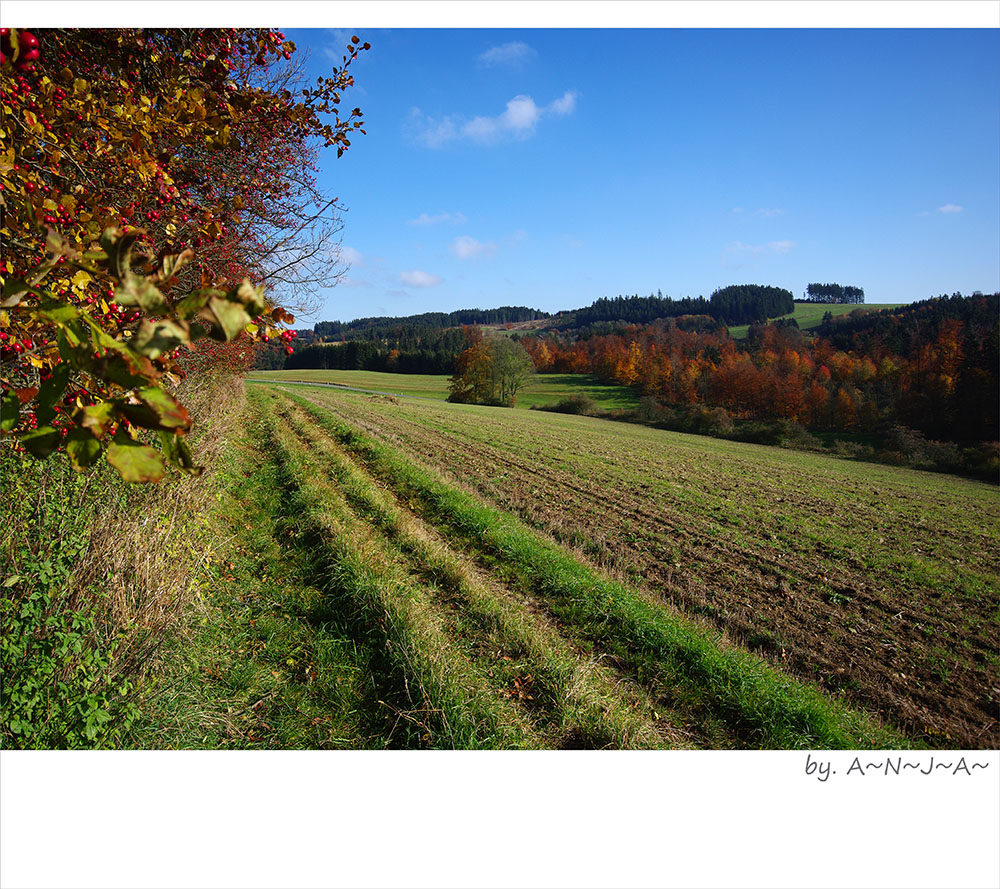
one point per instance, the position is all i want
(572, 698)
(57, 655)
(810, 315)
(274, 657)
(544, 389)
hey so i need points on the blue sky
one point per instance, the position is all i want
(551, 167)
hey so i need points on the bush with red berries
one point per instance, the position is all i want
(152, 183)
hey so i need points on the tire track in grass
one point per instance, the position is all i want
(272, 659)
(453, 693)
(585, 702)
(732, 688)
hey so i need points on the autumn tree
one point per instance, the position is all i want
(491, 371)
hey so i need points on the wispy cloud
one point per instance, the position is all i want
(465, 247)
(514, 53)
(350, 256)
(950, 208)
(776, 247)
(770, 212)
(518, 120)
(418, 278)
(425, 219)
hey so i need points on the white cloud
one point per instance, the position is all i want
(432, 133)
(351, 257)
(565, 104)
(767, 212)
(425, 219)
(513, 53)
(950, 208)
(417, 278)
(517, 120)
(465, 247)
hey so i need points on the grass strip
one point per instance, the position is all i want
(589, 704)
(267, 659)
(455, 696)
(766, 708)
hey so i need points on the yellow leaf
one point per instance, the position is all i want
(81, 279)
(35, 361)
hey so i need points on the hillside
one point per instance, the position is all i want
(809, 316)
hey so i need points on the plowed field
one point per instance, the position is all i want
(877, 584)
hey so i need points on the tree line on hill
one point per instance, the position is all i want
(376, 327)
(925, 369)
(736, 304)
(834, 293)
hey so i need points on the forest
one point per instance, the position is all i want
(736, 304)
(930, 366)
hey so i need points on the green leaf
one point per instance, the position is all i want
(172, 263)
(179, 454)
(41, 442)
(118, 246)
(230, 318)
(56, 312)
(10, 581)
(10, 412)
(14, 290)
(157, 410)
(96, 418)
(121, 365)
(135, 290)
(153, 339)
(135, 462)
(191, 305)
(83, 449)
(50, 391)
(249, 296)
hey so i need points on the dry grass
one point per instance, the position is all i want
(149, 544)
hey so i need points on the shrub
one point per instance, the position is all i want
(573, 404)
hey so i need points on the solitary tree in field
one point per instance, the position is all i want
(490, 372)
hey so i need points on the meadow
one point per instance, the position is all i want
(543, 390)
(552, 580)
(810, 315)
